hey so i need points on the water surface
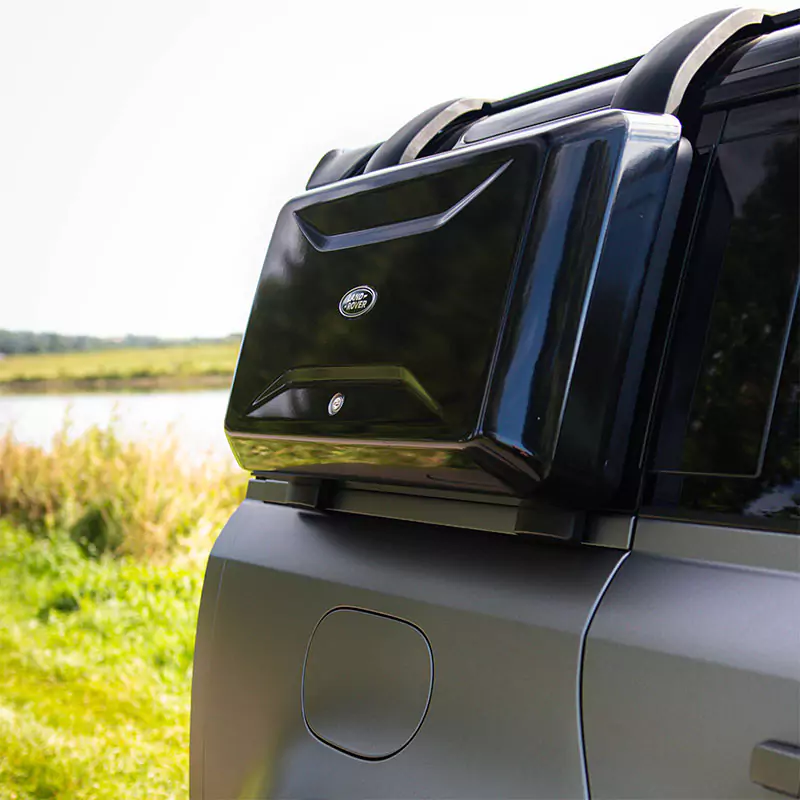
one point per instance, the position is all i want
(195, 417)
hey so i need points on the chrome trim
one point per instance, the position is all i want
(370, 304)
(705, 48)
(335, 404)
(658, 82)
(447, 115)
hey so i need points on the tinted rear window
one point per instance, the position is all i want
(729, 436)
(752, 210)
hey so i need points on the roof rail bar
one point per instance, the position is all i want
(658, 82)
(785, 19)
(624, 68)
(552, 89)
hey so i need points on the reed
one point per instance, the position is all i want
(117, 496)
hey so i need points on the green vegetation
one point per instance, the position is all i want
(95, 672)
(115, 496)
(17, 342)
(210, 364)
(102, 546)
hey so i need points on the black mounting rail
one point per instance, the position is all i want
(567, 85)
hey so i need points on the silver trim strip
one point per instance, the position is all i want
(447, 115)
(705, 48)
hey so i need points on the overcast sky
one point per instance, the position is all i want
(146, 148)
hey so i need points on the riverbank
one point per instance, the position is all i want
(131, 369)
(154, 383)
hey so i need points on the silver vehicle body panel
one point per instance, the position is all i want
(504, 616)
(692, 661)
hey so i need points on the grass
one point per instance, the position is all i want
(144, 366)
(109, 495)
(95, 672)
(102, 546)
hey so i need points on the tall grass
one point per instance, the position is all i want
(102, 544)
(115, 496)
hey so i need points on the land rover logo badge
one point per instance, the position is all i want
(357, 301)
(336, 403)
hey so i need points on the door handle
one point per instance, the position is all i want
(776, 766)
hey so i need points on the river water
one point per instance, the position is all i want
(195, 418)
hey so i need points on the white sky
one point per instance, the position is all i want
(146, 148)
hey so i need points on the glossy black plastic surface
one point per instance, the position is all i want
(336, 165)
(564, 87)
(392, 151)
(577, 101)
(768, 49)
(767, 65)
(509, 287)
(416, 365)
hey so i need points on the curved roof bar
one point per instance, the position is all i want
(658, 81)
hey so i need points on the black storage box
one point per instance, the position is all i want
(477, 318)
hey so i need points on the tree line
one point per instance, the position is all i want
(27, 342)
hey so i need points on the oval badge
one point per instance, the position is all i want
(357, 301)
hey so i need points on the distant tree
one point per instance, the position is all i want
(28, 342)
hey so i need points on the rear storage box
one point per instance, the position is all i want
(477, 318)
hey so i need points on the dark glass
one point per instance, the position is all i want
(775, 493)
(754, 300)
(777, 116)
(772, 499)
(729, 432)
(710, 129)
